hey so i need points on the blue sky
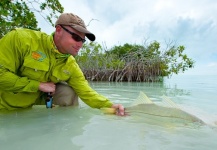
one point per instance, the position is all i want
(190, 23)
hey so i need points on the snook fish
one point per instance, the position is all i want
(175, 115)
(167, 113)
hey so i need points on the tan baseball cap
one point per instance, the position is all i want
(76, 23)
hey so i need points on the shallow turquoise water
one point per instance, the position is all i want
(85, 128)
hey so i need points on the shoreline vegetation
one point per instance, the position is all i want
(125, 63)
(132, 62)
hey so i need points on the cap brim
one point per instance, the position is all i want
(90, 36)
(87, 33)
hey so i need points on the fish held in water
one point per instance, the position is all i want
(166, 112)
(162, 111)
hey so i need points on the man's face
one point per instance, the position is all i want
(68, 40)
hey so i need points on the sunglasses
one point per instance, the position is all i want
(76, 37)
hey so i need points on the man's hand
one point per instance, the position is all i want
(120, 111)
(47, 87)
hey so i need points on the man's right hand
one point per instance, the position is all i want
(47, 87)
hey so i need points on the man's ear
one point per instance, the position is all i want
(58, 28)
(58, 33)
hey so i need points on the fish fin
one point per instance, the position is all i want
(167, 102)
(142, 99)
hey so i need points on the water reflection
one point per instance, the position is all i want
(84, 128)
(42, 128)
(127, 92)
(104, 132)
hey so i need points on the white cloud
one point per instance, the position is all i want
(212, 65)
(192, 24)
(201, 68)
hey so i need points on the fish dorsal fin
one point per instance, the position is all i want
(142, 99)
(167, 102)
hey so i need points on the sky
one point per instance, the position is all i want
(190, 23)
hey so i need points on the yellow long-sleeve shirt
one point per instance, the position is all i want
(29, 57)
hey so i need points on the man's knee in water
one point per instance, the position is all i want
(65, 95)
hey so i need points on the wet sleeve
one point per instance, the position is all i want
(85, 92)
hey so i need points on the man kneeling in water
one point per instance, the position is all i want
(33, 63)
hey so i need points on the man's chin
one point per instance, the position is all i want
(74, 54)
